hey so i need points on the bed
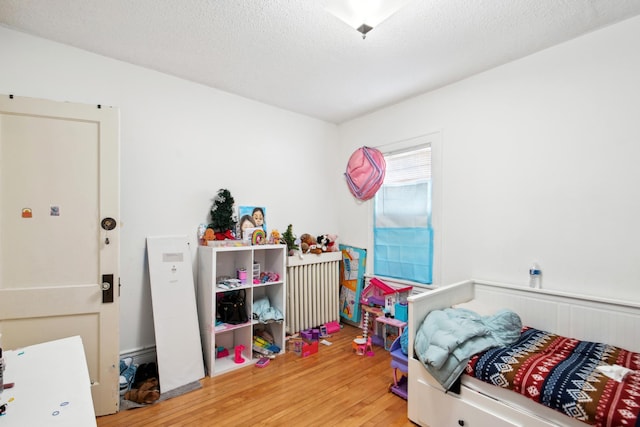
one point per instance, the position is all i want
(481, 404)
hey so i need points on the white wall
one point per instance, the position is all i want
(539, 163)
(180, 143)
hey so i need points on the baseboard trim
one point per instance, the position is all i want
(144, 355)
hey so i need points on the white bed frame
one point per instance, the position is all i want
(594, 319)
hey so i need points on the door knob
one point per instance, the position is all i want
(107, 288)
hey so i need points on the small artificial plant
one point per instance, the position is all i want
(290, 239)
(222, 218)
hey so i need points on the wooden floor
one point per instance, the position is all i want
(333, 387)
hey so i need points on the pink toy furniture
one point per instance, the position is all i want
(399, 362)
(332, 327)
(392, 329)
(308, 348)
(373, 328)
(303, 348)
(362, 346)
(310, 334)
(221, 352)
(380, 294)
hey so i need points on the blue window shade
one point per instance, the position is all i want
(407, 205)
(402, 230)
(404, 253)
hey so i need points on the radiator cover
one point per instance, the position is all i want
(313, 289)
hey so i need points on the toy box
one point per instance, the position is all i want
(303, 348)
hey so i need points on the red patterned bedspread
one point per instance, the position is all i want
(561, 373)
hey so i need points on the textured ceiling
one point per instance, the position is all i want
(294, 55)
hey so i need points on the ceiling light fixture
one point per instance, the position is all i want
(364, 15)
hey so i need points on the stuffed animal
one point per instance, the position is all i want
(328, 242)
(323, 241)
(306, 241)
(333, 246)
(145, 384)
(309, 244)
(147, 392)
(275, 237)
(209, 235)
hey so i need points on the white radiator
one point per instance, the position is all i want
(313, 289)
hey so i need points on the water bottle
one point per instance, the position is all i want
(535, 276)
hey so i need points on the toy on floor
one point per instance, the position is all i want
(332, 327)
(145, 384)
(362, 344)
(312, 334)
(147, 392)
(399, 363)
(323, 332)
(304, 348)
(262, 362)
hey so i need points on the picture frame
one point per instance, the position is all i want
(251, 217)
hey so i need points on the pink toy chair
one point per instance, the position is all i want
(362, 346)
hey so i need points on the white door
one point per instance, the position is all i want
(59, 189)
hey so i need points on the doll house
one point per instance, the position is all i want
(375, 293)
(379, 294)
(380, 301)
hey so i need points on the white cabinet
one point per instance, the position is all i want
(218, 339)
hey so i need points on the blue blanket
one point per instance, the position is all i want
(448, 338)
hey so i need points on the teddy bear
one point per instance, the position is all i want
(309, 244)
(275, 237)
(147, 392)
(209, 235)
(145, 384)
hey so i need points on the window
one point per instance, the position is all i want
(402, 226)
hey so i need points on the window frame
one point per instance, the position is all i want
(433, 140)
